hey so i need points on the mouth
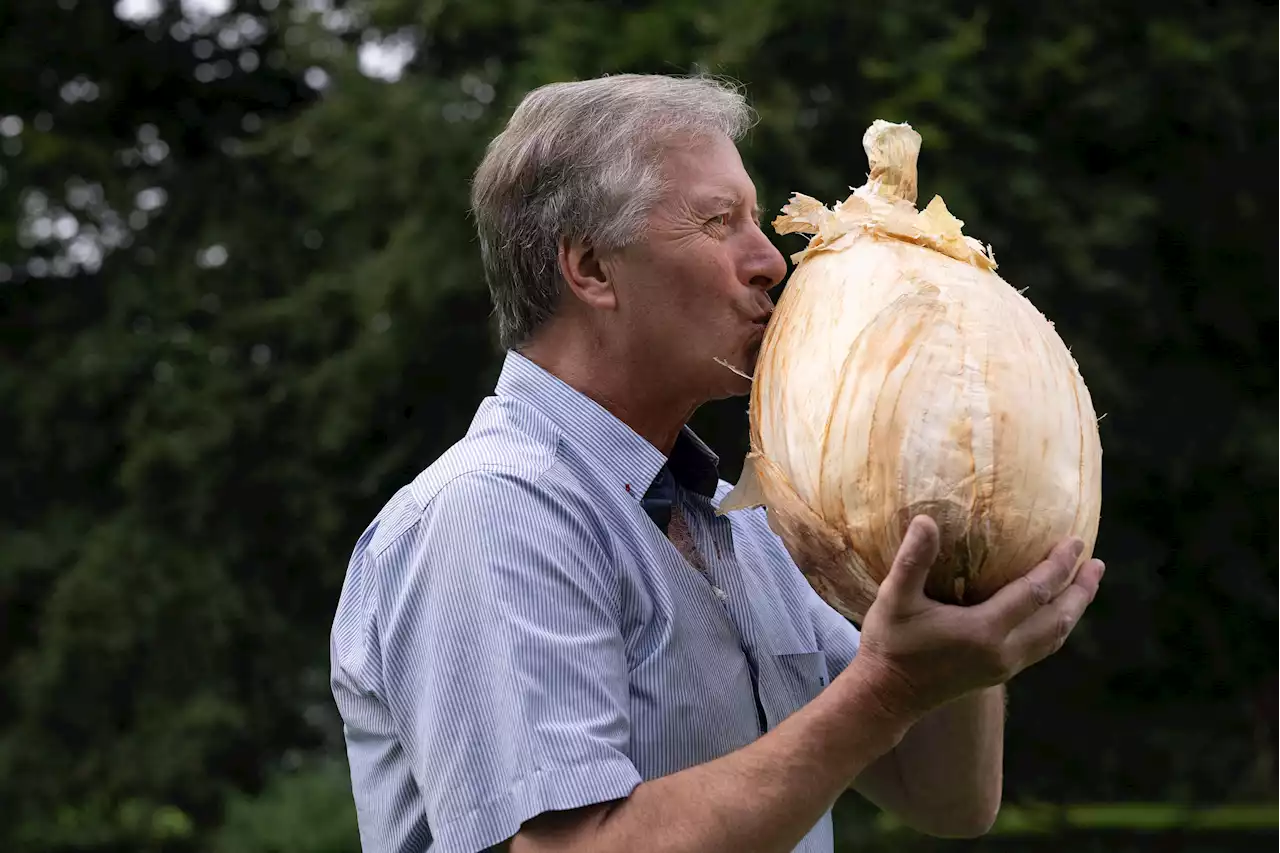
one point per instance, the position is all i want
(759, 327)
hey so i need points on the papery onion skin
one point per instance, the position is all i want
(900, 375)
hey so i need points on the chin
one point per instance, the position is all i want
(722, 382)
(730, 384)
(744, 390)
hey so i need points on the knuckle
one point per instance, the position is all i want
(992, 652)
(1005, 665)
(1037, 589)
(985, 639)
(987, 649)
(1065, 623)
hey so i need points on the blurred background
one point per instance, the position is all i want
(241, 303)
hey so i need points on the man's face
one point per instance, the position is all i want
(696, 288)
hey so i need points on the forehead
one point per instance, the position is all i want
(707, 173)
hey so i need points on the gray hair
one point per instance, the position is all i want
(582, 160)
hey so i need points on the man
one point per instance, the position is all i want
(550, 640)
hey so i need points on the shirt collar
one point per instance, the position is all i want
(596, 433)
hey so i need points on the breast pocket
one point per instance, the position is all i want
(798, 677)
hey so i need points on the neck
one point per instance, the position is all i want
(627, 383)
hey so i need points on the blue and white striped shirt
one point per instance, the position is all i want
(516, 634)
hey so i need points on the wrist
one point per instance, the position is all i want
(886, 693)
(880, 699)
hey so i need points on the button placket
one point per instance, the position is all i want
(702, 563)
(719, 533)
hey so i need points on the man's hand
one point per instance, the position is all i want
(924, 654)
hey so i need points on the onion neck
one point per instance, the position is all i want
(892, 152)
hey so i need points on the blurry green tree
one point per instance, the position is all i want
(240, 303)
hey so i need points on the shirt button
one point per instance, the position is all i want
(719, 593)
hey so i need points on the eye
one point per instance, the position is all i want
(721, 220)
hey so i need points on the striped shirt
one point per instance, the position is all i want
(516, 633)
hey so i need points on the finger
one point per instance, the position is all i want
(916, 555)
(1045, 632)
(1015, 602)
(1090, 576)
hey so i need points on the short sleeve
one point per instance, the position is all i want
(504, 665)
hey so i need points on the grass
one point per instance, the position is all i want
(1038, 819)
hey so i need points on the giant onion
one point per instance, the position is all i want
(900, 375)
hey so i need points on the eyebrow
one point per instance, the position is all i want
(723, 199)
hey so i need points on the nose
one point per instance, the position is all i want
(765, 267)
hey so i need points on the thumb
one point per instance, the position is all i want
(916, 555)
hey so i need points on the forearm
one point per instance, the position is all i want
(950, 766)
(763, 797)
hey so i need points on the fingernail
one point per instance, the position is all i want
(1077, 548)
(1102, 569)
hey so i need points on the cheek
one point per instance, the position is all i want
(703, 284)
(688, 292)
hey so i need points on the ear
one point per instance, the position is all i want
(586, 276)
